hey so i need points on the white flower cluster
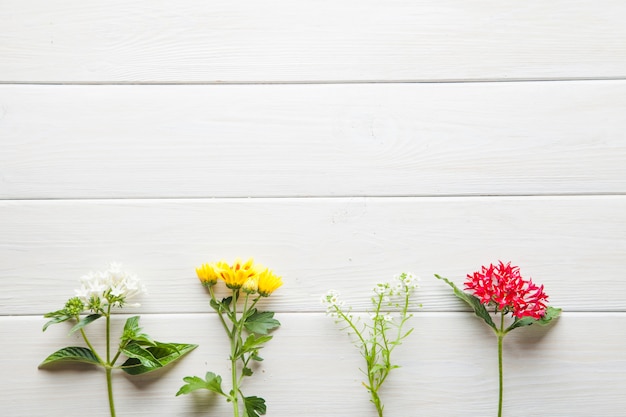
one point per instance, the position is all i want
(405, 282)
(332, 302)
(384, 317)
(113, 286)
(401, 285)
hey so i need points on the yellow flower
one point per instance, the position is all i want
(251, 285)
(209, 273)
(235, 276)
(268, 282)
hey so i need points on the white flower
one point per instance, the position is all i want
(332, 302)
(408, 280)
(380, 288)
(113, 286)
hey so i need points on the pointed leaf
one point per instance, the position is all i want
(55, 320)
(253, 343)
(254, 406)
(132, 324)
(72, 354)
(85, 321)
(212, 382)
(261, 322)
(132, 332)
(550, 314)
(164, 353)
(144, 356)
(479, 309)
(57, 313)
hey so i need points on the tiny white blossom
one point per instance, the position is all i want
(332, 301)
(380, 289)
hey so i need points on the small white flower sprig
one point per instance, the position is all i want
(99, 294)
(377, 338)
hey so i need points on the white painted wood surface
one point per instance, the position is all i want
(449, 368)
(312, 140)
(316, 244)
(338, 173)
(310, 40)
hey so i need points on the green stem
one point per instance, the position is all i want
(108, 363)
(219, 312)
(500, 334)
(377, 403)
(110, 390)
(234, 348)
(82, 332)
(108, 334)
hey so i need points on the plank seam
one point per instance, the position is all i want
(320, 196)
(321, 82)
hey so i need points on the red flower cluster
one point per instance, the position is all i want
(504, 286)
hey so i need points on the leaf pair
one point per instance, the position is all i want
(254, 406)
(144, 354)
(143, 360)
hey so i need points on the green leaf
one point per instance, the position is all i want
(57, 313)
(132, 333)
(254, 343)
(479, 309)
(261, 323)
(55, 320)
(212, 382)
(144, 356)
(221, 306)
(132, 324)
(254, 406)
(163, 353)
(551, 313)
(72, 354)
(131, 328)
(246, 371)
(85, 321)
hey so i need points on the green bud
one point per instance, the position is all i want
(74, 306)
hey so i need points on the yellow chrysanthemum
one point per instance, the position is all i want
(268, 282)
(251, 285)
(235, 276)
(208, 274)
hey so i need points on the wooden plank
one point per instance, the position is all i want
(225, 41)
(312, 140)
(573, 245)
(449, 368)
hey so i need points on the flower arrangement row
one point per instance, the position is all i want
(498, 295)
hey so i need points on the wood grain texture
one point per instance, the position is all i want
(312, 140)
(310, 40)
(573, 245)
(574, 368)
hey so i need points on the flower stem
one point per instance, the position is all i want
(377, 403)
(110, 390)
(501, 334)
(108, 365)
(234, 348)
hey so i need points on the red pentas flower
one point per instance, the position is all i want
(504, 286)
